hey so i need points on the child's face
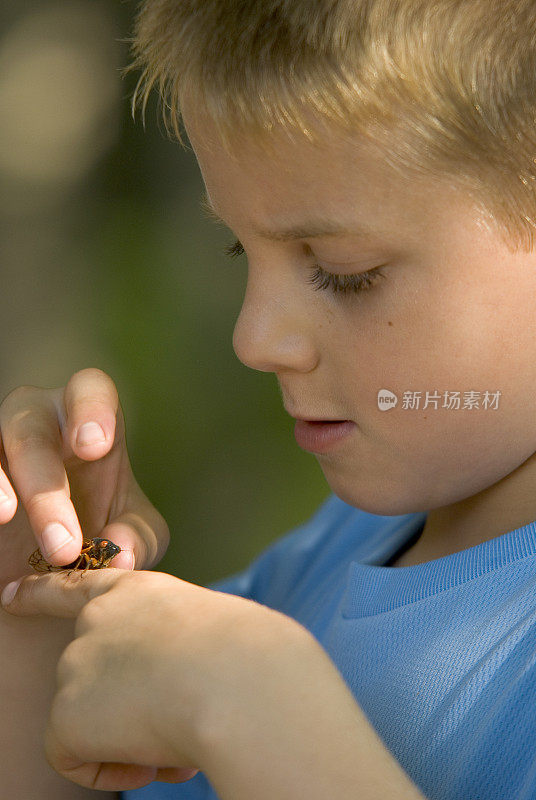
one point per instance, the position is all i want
(454, 312)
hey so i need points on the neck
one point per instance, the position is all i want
(506, 505)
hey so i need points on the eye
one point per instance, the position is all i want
(322, 279)
(344, 284)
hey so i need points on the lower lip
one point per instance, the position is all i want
(319, 437)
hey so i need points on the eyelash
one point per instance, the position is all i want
(343, 284)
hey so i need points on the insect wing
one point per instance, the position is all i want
(38, 562)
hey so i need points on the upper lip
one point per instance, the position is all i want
(312, 418)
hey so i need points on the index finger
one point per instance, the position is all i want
(36, 447)
(32, 445)
(58, 594)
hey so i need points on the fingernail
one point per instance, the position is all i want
(53, 538)
(4, 498)
(9, 592)
(90, 433)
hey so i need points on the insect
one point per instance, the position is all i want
(96, 553)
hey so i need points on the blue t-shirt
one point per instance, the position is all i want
(440, 656)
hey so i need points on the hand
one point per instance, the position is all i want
(155, 661)
(43, 463)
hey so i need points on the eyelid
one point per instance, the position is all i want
(237, 249)
(342, 284)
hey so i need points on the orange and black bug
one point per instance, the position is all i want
(96, 553)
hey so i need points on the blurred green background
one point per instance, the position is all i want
(107, 261)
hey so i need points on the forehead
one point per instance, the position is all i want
(310, 228)
(287, 161)
(341, 179)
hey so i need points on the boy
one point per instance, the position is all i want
(389, 239)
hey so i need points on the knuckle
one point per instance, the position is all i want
(163, 531)
(75, 589)
(156, 581)
(82, 587)
(92, 610)
(148, 577)
(67, 662)
(33, 440)
(65, 701)
(90, 614)
(26, 593)
(41, 500)
(123, 580)
(20, 392)
(27, 422)
(157, 542)
(163, 539)
(21, 396)
(142, 580)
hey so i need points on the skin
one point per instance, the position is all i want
(455, 312)
(158, 677)
(445, 318)
(165, 673)
(48, 477)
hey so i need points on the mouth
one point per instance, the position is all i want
(320, 436)
(322, 421)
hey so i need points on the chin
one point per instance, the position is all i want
(381, 499)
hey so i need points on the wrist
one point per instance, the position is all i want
(202, 694)
(268, 657)
(297, 730)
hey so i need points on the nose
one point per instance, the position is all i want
(273, 331)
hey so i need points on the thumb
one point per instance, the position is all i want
(57, 594)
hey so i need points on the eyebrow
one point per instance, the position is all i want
(308, 230)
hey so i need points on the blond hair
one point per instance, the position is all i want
(441, 86)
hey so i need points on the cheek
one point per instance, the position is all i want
(462, 331)
(442, 336)
(407, 461)
(456, 350)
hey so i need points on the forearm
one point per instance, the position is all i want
(29, 652)
(301, 734)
